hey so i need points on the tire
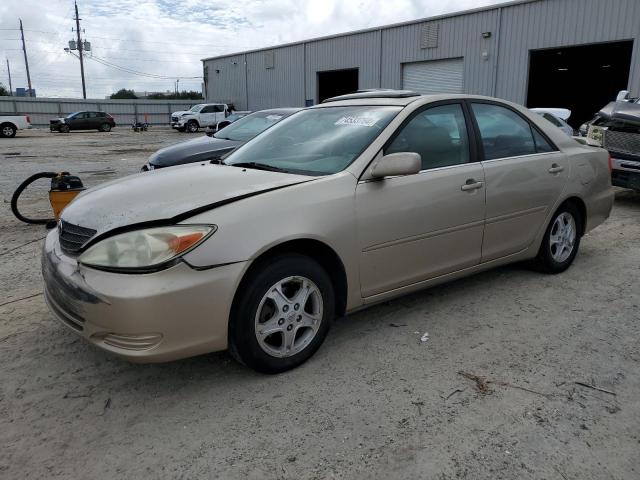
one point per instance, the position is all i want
(8, 130)
(192, 126)
(64, 129)
(105, 127)
(255, 311)
(559, 247)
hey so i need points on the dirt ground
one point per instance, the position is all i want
(374, 402)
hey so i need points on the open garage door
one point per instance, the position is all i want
(433, 77)
(337, 82)
(583, 78)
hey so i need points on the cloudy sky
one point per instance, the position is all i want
(146, 44)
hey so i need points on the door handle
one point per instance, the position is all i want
(555, 168)
(471, 185)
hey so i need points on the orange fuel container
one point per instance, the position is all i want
(64, 188)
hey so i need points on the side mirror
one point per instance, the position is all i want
(397, 164)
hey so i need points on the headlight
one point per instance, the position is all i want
(144, 249)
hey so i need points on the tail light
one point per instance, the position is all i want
(610, 164)
(28, 118)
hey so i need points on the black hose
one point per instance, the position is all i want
(18, 192)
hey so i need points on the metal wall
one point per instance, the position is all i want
(125, 112)
(496, 65)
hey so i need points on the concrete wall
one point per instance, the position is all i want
(125, 112)
(516, 28)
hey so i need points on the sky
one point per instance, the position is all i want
(145, 45)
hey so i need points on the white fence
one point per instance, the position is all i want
(125, 112)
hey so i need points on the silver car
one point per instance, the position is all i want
(355, 201)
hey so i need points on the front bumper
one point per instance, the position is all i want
(179, 124)
(175, 313)
(625, 172)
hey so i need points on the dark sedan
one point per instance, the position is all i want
(207, 148)
(100, 121)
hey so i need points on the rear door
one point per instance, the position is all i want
(525, 174)
(416, 227)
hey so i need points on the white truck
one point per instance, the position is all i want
(199, 116)
(10, 124)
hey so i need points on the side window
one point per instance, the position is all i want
(542, 145)
(215, 108)
(208, 109)
(504, 133)
(438, 134)
(92, 114)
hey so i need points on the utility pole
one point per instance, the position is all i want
(26, 62)
(80, 49)
(10, 86)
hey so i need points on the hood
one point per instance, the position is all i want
(177, 114)
(169, 195)
(624, 111)
(201, 148)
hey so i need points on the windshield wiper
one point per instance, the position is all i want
(258, 166)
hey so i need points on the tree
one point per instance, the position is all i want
(123, 93)
(183, 95)
(3, 91)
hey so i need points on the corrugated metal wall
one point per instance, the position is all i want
(125, 112)
(265, 84)
(497, 65)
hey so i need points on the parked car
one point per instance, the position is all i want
(212, 148)
(199, 116)
(558, 117)
(617, 128)
(211, 129)
(352, 202)
(10, 124)
(100, 121)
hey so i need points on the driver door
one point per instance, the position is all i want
(413, 228)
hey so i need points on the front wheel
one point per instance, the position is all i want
(64, 129)
(282, 314)
(192, 126)
(8, 131)
(561, 240)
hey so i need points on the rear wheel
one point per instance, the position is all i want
(192, 126)
(105, 127)
(8, 130)
(561, 240)
(282, 314)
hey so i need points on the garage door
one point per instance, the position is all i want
(433, 77)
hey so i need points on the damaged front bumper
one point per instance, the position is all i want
(175, 313)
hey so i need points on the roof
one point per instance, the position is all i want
(382, 27)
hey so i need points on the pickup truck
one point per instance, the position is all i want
(10, 124)
(617, 127)
(199, 116)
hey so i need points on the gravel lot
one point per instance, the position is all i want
(374, 402)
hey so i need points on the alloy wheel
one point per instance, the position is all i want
(563, 237)
(288, 316)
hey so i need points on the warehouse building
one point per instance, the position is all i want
(576, 54)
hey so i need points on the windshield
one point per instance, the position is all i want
(319, 141)
(248, 126)
(196, 108)
(71, 115)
